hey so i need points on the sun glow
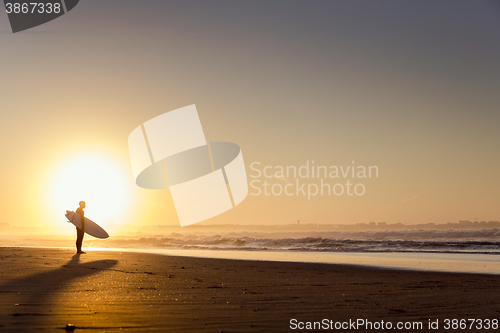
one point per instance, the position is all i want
(95, 179)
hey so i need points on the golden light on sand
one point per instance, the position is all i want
(92, 178)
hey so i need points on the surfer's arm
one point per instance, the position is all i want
(83, 223)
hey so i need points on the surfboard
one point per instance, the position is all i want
(91, 228)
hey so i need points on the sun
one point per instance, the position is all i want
(95, 179)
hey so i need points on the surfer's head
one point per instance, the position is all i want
(82, 204)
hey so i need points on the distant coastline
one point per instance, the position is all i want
(299, 226)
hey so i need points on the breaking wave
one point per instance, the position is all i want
(451, 241)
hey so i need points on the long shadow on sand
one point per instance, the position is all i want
(29, 300)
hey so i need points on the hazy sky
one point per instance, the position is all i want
(409, 86)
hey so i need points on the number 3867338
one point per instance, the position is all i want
(33, 8)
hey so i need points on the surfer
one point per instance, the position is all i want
(80, 232)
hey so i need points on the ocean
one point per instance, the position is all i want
(435, 241)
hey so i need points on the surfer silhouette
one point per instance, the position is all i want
(80, 232)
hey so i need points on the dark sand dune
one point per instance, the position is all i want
(45, 289)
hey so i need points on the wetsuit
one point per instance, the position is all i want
(80, 232)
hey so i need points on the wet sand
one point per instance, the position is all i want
(46, 289)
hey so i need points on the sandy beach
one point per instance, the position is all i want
(46, 289)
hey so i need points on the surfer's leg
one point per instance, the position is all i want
(79, 240)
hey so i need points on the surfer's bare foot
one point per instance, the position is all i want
(81, 252)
